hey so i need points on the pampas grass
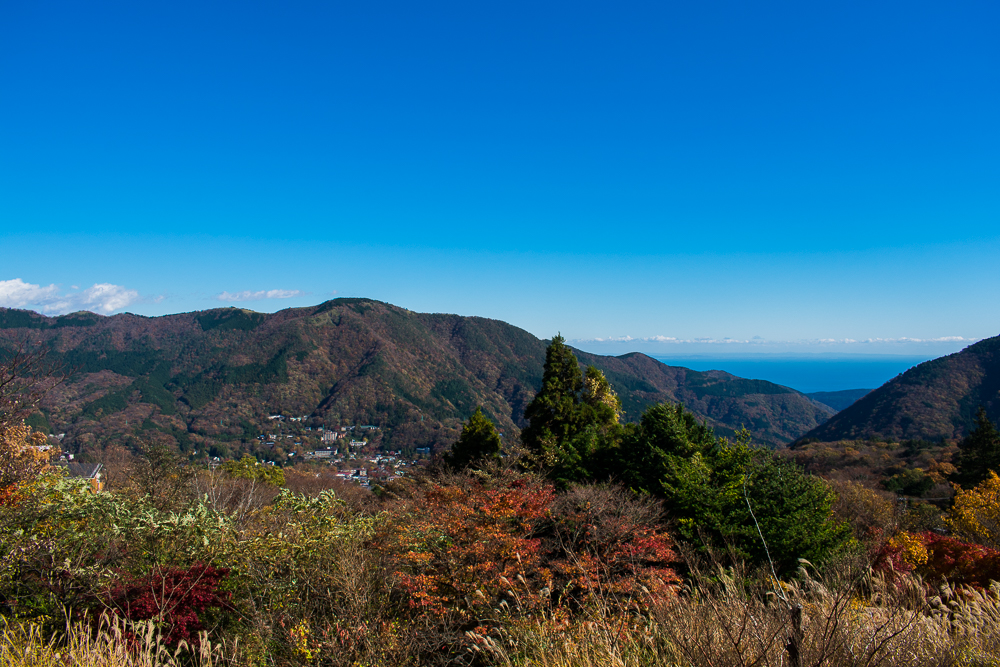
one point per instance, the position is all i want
(112, 643)
(726, 620)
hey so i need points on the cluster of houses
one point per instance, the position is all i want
(337, 447)
(363, 470)
(340, 447)
(303, 435)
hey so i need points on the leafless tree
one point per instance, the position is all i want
(26, 374)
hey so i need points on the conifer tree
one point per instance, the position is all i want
(726, 494)
(572, 418)
(553, 413)
(478, 443)
(979, 452)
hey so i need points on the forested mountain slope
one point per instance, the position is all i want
(935, 400)
(209, 380)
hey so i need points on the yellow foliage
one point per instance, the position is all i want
(597, 391)
(975, 514)
(24, 454)
(940, 471)
(913, 550)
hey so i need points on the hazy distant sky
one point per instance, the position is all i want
(796, 171)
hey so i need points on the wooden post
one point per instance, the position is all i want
(794, 645)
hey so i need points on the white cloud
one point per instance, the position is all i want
(107, 298)
(247, 295)
(758, 341)
(627, 339)
(104, 298)
(663, 339)
(17, 294)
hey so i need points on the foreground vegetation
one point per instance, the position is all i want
(598, 543)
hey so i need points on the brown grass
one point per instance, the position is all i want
(729, 621)
(113, 643)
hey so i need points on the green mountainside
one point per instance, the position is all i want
(936, 400)
(208, 381)
(838, 400)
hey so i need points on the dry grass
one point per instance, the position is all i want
(113, 643)
(726, 622)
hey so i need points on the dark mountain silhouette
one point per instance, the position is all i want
(209, 380)
(838, 400)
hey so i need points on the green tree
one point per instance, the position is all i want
(572, 418)
(552, 414)
(163, 475)
(979, 452)
(730, 494)
(759, 506)
(912, 482)
(664, 433)
(249, 468)
(478, 443)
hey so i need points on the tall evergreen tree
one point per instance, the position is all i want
(478, 443)
(571, 417)
(552, 414)
(664, 432)
(979, 452)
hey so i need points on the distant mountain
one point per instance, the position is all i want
(210, 380)
(838, 400)
(933, 401)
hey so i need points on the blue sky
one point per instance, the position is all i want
(804, 177)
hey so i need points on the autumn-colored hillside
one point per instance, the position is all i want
(208, 381)
(936, 400)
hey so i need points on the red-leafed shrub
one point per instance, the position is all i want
(465, 546)
(959, 562)
(604, 541)
(173, 598)
(897, 556)
(468, 546)
(936, 557)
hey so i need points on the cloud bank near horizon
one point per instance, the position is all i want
(757, 340)
(103, 298)
(260, 295)
(674, 346)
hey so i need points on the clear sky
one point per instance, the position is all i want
(797, 172)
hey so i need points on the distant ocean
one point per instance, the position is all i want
(807, 374)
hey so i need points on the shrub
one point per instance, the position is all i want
(67, 547)
(470, 545)
(309, 584)
(604, 544)
(175, 598)
(975, 514)
(459, 547)
(937, 558)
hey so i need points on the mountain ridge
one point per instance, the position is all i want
(838, 400)
(209, 380)
(933, 401)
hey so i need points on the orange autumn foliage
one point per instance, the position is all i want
(470, 547)
(462, 548)
(24, 455)
(605, 543)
